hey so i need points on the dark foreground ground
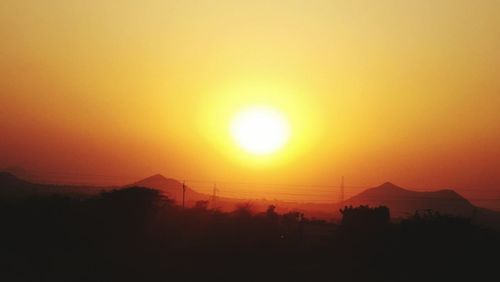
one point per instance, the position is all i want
(137, 235)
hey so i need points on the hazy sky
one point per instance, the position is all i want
(406, 91)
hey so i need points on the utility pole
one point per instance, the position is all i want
(214, 196)
(183, 194)
(341, 198)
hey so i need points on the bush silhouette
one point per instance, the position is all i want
(201, 205)
(365, 217)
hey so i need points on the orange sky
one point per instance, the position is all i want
(374, 90)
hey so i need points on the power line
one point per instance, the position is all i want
(307, 190)
(316, 186)
(261, 184)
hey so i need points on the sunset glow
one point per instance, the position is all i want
(110, 91)
(258, 140)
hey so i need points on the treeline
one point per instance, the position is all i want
(137, 234)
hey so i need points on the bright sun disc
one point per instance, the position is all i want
(260, 130)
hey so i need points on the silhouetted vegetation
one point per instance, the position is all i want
(137, 234)
(364, 217)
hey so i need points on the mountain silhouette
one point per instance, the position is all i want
(12, 188)
(22, 173)
(403, 202)
(171, 188)
(8, 178)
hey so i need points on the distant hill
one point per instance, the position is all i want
(22, 173)
(402, 201)
(171, 188)
(13, 188)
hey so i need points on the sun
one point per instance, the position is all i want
(260, 130)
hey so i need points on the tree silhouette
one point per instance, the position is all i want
(137, 234)
(243, 210)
